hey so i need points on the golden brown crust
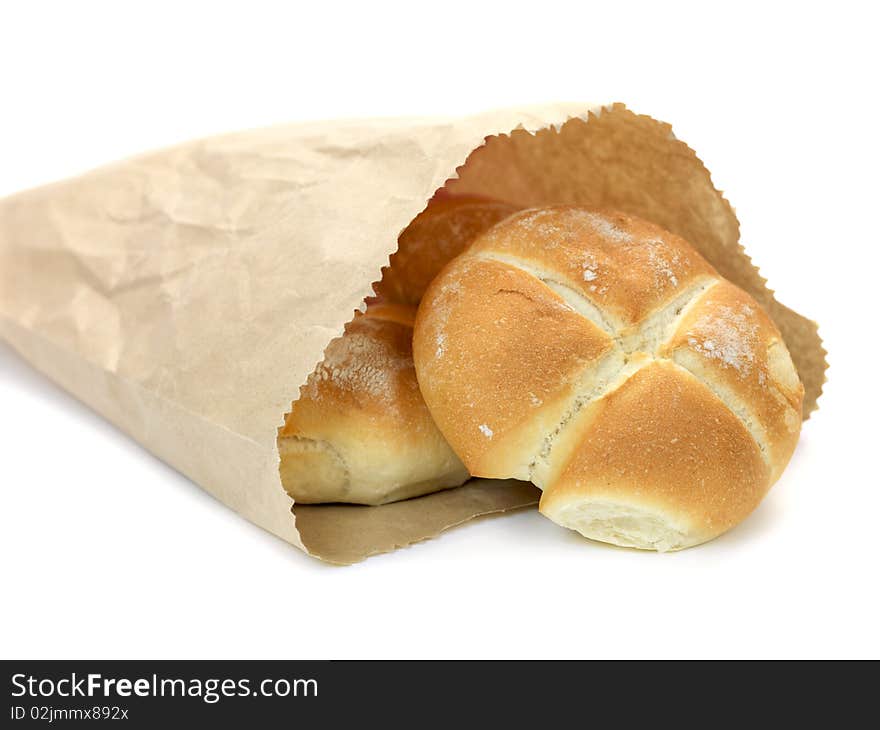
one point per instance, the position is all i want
(625, 266)
(490, 377)
(437, 235)
(730, 343)
(360, 431)
(366, 372)
(623, 333)
(664, 442)
(390, 312)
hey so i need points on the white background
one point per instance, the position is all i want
(107, 552)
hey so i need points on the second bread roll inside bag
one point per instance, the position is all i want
(603, 359)
(360, 431)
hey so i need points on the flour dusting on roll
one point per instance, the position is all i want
(652, 401)
(360, 431)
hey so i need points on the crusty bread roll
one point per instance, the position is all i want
(360, 431)
(605, 360)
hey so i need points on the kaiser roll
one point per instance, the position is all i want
(603, 359)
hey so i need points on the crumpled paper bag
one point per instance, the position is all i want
(187, 294)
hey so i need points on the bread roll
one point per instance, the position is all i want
(360, 431)
(603, 359)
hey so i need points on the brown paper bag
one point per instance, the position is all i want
(187, 294)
